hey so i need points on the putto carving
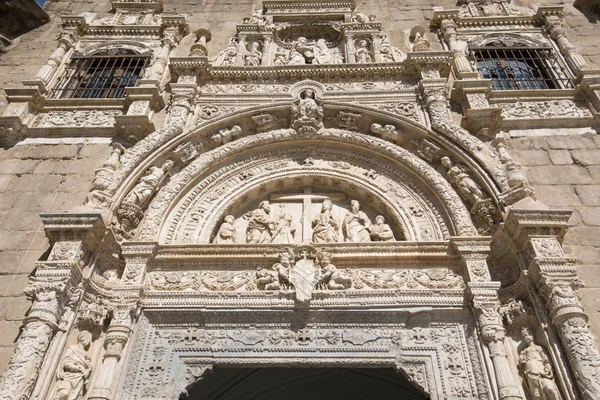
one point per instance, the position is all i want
(278, 277)
(226, 135)
(387, 132)
(332, 278)
(75, 369)
(537, 369)
(307, 113)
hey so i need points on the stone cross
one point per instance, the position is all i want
(307, 197)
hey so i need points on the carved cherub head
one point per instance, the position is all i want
(323, 258)
(229, 219)
(285, 258)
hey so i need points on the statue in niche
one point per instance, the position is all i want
(300, 48)
(277, 278)
(537, 370)
(362, 52)
(226, 231)
(332, 278)
(356, 224)
(285, 230)
(381, 232)
(325, 225)
(459, 177)
(114, 159)
(148, 184)
(75, 369)
(254, 56)
(306, 113)
(261, 225)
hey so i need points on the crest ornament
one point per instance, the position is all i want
(304, 274)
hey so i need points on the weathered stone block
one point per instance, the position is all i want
(587, 236)
(558, 175)
(532, 157)
(570, 142)
(586, 157)
(589, 194)
(8, 332)
(560, 157)
(590, 216)
(558, 195)
(17, 167)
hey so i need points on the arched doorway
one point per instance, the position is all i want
(305, 384)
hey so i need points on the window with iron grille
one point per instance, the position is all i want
(521, 68)
(102, 75)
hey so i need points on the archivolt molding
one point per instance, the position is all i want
(159, 207)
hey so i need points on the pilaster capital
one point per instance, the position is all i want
(88, 228)
(522, 224)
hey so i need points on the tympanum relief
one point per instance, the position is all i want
(307, 217)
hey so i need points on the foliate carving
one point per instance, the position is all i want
(267, 122)
(186, 152)
(537, 370)
(407, 279)
(545, 109)
(80, 118)
(583, 355)
(307, 113)
(75, 369)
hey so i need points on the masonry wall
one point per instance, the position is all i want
(53, 177)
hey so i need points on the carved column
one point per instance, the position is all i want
(461, 63)
(474, 252)
(117, 335)
(266, 51)
(65, 43)
(157, 68)
(350, 56)
(73, 236)
(377, 48)
(241, 51)
(556, 30)
(538, 235)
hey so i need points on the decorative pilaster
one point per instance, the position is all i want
(54, 292)
(156, 70)
(266, 50)
(556, 31)
(474, 252)
(137, 255)
(117, 335)
(461, 64)
(350, 50)
(538, 235)
(66, 41)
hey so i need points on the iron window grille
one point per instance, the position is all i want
(522, 68)
(102, 75)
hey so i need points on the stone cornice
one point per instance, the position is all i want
(87, 227)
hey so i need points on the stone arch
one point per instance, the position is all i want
(139, 47)
(452, 206)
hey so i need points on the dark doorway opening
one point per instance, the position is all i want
(305, 384)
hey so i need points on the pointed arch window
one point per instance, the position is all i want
(101, 75)
(515, 65)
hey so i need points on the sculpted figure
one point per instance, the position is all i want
(285, 230)
(253, 56)
(537, 370)
(332, 278)
(114, 159)
(362, 53)
(321, 53)
(277, 277)
(381, 231)
(459, 177)
(148, 184)
(299, 48)
(225, 135)
(226, 231)
(356, 224)
(75, 369)
(261, 225)
(325, 225)
(308, 107)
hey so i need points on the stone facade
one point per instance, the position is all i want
(308, 161)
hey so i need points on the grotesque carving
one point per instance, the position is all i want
(356, 224)
(226, 135)
(537, 370)
(226, 232)
(325, 225)
(381, 231)
(260, 226)
(75, 369)
(307, 114)
(387, 132)
(332, 278)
